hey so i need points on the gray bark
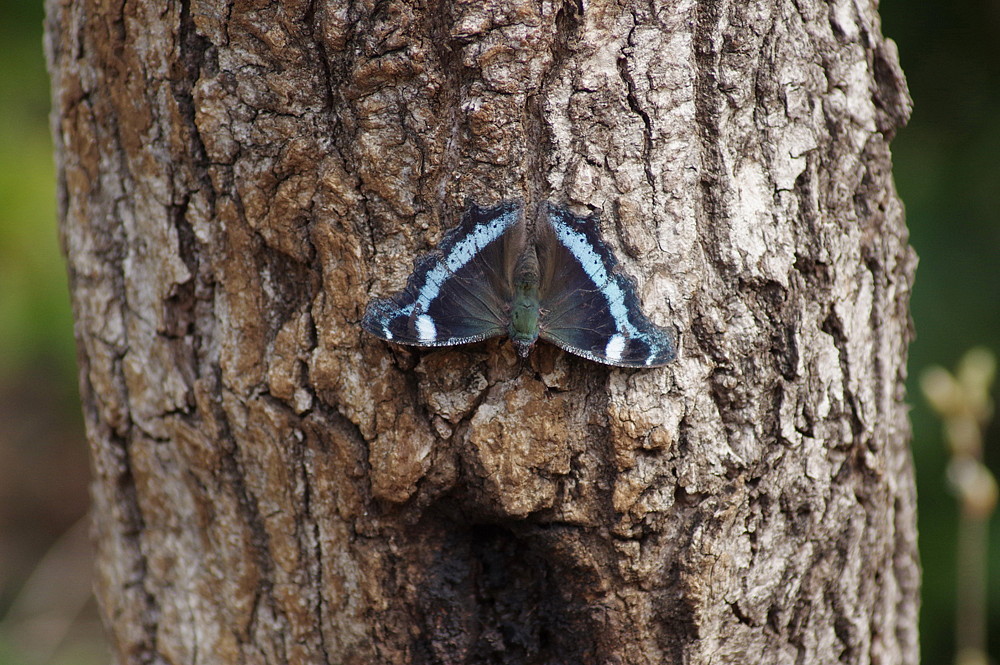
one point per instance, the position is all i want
(270, 485)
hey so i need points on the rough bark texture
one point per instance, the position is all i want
(238, 178)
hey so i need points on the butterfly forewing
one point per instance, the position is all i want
(588, 306)
(460, 292)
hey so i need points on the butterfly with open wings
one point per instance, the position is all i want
(493, 275)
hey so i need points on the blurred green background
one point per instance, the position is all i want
(947, 171)
(46, 614)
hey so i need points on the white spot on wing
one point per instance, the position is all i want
(615, 347)
(426, 329)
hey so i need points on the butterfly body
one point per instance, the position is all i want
(524, 310)
(492, 275)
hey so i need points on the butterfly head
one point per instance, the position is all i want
(524, 329)
(523, 347)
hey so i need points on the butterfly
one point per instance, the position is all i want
(495, 275)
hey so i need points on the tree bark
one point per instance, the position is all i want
(271, 485)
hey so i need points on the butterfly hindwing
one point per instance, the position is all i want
(460, 292)
(589, 307)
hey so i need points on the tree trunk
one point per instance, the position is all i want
(272, 485)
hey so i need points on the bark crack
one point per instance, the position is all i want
(632, 98)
